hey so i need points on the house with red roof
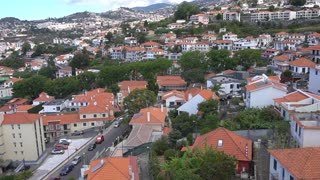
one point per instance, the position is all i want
(167, 83)
(261, 90)
(154, 53)
(150, 45)
(42, 98)
(315, 52)
(152, 117)
(284, 45)
(313, 39)
(126, 87)
(191, 106)
(67, 72)
(111, 168)
(301, 65)
(173, 99)
(230, 143)
(296, 163)
(22, 137)
(281, 62)
(10, 82)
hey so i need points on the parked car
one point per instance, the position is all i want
(76, 160)
(57, 151)
(60, 146)
(68, 140)
(99, 139)
(116, 124)
(65, 171)
(77, 133)
(91, 147)
(64, 143)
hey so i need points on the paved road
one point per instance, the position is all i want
(88, 155)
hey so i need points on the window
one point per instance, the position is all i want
(231, 86)
(296, 127)
(92, 124)
(291, 178)
(316, 72)
(58, 108)
(103, 115)
(12, 126)
(15, 144)
(299, 131)
(220, 143)
(72, 104)
(57, 126)
(21, 144)
(18, 126)
(21, 152)
(84, 124)
(283, 173)
(13, 135)
(84, 116)
(275, 164)
(81, 104)
(75, 125)
(19, 135)
(95, 115)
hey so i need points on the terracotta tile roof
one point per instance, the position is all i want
(17, 101)
(303, 62)
(315, 47)
(24, 108)
(134, 49)
(150, 43)
(13, 79)
(260, 85)
(292, 97)
(315, 34)
(193, 92)
(302, 163)
(20, 118)
(259, 78)
(166, 131)
(170, 81)
(63, 118)
(156, 116)
(6, 108)
(44, 97)
(176, 93)
(232, 143)
(132, 85)
(282, 58)
(313, 95)
(207, 94)
(113, 168)
(228, 71)
(282, 33)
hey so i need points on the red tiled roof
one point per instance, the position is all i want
(302, 163)
(232, 143)
(17, 101)
(223, 41)
(207, 94)
(63, 118)
(282, 57)
(257, 86)
(13, 79)
(113, 168)
(193, 92)
(150, 43)
(44, 97)
(179, 94)
(303, 62)
(156, 116)
(170, 81)
(24, 108)
(282, 33)
(20, 118)
(132, 85)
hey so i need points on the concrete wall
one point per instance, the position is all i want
(264, 97)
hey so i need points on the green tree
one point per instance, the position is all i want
(184, 123)
(220, 60)
(62, 87)
(25, 48)
(210, 106)
(185, 10)
(160, 146)
(248, 57)
(153, 86)
(109, 36)
(40, 49)
(30, 87)
(87, 80)
(49, 72)
(173, 137)
(286, 76)
(114, 88)
(297, 2)
(216, 88)
(80, 60)
(139, 99)
(141, 38)
(192, 60)
(200, 164)
(13, 62)
(219, 16)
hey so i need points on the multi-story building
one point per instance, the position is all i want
(224, 44)
(308, 14)
(271, 16)
(22, 137)
(246, 43)
(230, 36)
(167, 83)
(301, 66)
(67, 72)
(200, 18)
(314, 80)
(126, 87)
(231, 16)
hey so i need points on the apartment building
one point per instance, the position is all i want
(272, 16)
(22, 137)
(231, 16)
(200, 18)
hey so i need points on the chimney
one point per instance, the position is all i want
(98, 90)
(148, 116)
(161, 107)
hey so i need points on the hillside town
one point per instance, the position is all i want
(201, 90)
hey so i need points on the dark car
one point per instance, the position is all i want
(66, 170)
(77, 133)
(91, 147)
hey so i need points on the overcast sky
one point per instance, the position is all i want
(42, 9)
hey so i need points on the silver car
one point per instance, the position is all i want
(76, 160)
(57, 151)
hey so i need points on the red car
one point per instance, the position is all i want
(60, 146)
(99, 139)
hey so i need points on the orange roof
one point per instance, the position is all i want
(20, 118)
(132, 85)
(210, 75)
(193, 92)
(24, 108)
(150, 43)
(208, 94)
(179, 94)
(292, 97)
(228, 71)
(13, 79)
(282, 57)
(303, 62)
(261, 85)
(259, 78)
(232, 143)
(156, 116)
(63, 119)
(170, 81)
(282, 33)
(113, 168)
(17, 101)
(166, 131)
(315, 34)
(44, 97)
(302, 163)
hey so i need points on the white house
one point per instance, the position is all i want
(231, 16)
(294, 164)
(224, 44)
(54, 106)
(228, 85)
(191, 106)
(285, 45)
(173, 99)
(230, 36)
(246, 43)
(262, 90)
(313, 39)
(314, 80)
(301, 65)
(264, 40)
(281, 62)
